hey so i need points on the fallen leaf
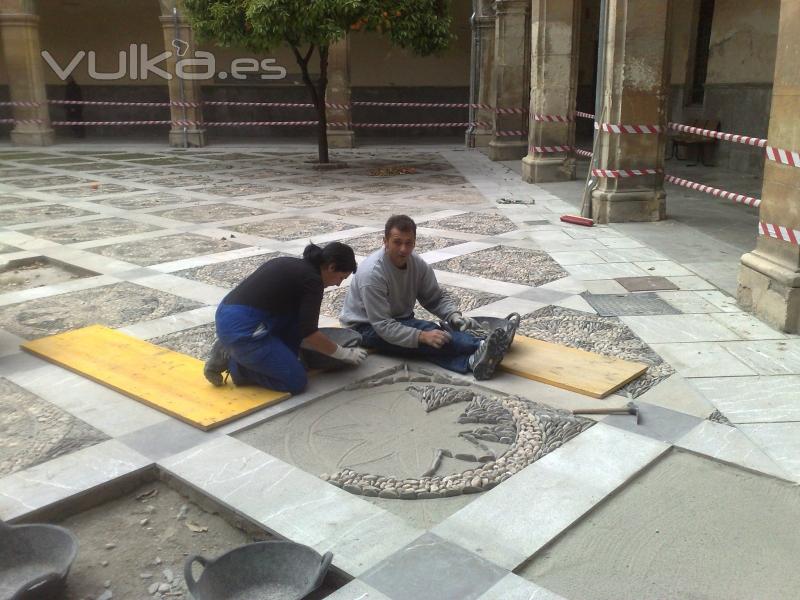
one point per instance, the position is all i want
(146, 495)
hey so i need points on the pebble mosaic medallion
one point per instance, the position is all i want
(507, 263)
(167, 248)
(605, 335)
(90, 230)
(414, 434)
(46, 212)
(114, 305)
(229, 273)
(294, 228)
(195, 342)
(480, 223)
(34, 431)
(207, 213)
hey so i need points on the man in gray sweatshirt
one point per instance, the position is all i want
(380, 306)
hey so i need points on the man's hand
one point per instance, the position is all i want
(434, 337)
(352, 356)
(461, 323)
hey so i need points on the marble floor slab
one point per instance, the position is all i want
(679, 549)
(756, 399)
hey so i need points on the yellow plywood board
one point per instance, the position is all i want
(163, 379)
(569, 368)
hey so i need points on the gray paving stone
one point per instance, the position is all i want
(656, 422)
(431, 568)
(165, 439)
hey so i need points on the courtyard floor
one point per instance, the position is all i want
(529, 502)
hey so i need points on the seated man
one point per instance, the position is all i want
(380, 306)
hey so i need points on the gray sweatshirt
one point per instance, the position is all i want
(380, 293)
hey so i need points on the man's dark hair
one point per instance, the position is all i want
(339, 255)
(402, 223)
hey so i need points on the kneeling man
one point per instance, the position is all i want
(380, 306)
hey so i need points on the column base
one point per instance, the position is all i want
(191, 138)
(629, 206)
(770, 291)
(338, 138)
(480, 138)
(511, 150)
(544, 170)
(39, 137)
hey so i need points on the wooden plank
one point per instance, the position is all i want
(569, 368)
(158, 377)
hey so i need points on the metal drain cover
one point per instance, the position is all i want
(614, 305)
(646, 284)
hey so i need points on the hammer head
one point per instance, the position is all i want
(633, 409)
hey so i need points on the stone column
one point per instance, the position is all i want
(511, 78)
(769, 278)
(20, 31)
(176, 27)
(338, 93)
(635, 88)
(485, 24)
(555, 28)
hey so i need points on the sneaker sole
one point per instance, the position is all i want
(494, 353)
(214, 378)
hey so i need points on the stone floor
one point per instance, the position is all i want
(400, 478)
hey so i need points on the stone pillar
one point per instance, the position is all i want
(176, 27)
(338, 93)
(19, 25)
(485, 24)
(555, 29)
(635, 89)
(511, 78)
(769, 278)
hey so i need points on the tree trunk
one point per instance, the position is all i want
(322, 87)
(317, 95)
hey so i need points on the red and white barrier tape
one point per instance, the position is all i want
(549, 149)
(110, 123)
(622, 173)
(511, 133)
(582, 152)
(621, 128)
(785, 157)
(552, 118)
(720, 135)
(700, 187)
(584, 115)
(779, 232)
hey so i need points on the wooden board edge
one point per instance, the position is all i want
(568, 387)
(161, 409)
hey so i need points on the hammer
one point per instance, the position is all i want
(629, 409)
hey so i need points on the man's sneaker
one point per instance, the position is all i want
(510, 329)
(216, 364)
(488, 355)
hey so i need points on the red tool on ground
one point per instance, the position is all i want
(577, 220)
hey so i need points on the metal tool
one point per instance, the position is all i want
(629, 409)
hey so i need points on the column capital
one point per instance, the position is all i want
(486, 21)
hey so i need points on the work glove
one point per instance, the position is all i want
(352, 356)
(461, 323)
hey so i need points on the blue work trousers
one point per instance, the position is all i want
(264, 348)
(453, 356)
